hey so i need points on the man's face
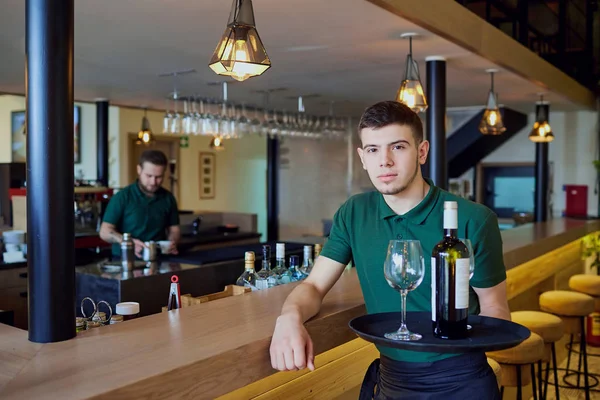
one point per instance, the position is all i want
(391, 157)
(150, 176)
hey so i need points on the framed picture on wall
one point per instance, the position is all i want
(19, 135)
(207, 165)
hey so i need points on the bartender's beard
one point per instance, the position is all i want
(148, 191)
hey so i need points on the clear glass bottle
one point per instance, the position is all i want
(248, 277)
(281, 272)
(307, 262)
(266, 276)
(295, 274)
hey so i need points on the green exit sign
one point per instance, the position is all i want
(184, 142)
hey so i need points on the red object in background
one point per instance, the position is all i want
(576, 200)
(593, 330)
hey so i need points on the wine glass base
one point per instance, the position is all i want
(404, 336)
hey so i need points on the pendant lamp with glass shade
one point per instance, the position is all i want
(217, 143)
(541, 132)
(240, 53)
(491, 123)
(411, 90)
(145, 135)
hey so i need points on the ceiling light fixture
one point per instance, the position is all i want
(541, 132)
(240, 53)
(411, 90)
(145, 135)
(491, 122)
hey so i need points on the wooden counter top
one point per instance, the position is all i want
(208, 350)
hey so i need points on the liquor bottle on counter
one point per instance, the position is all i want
(249, 277)
(450, 280)
(281, 272)
(317, 250)
(266, 277)
(295, 274)
(307, 262)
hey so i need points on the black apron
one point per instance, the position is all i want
(464, 377)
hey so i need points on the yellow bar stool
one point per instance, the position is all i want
(551, 329)
(587, 284)
(572, 308)
(512, 361)
(497, 370)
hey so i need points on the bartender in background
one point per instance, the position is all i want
(144, 209)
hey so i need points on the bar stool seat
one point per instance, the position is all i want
(512, 360)
(567, 304)
(588, 284)
(548, 326)
(551, 329)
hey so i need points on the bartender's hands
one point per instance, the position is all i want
(173, 248)
(291, 345)
(139, 247)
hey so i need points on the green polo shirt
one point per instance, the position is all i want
(144, 217)
(364, 225)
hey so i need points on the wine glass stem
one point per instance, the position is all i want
(403, 324)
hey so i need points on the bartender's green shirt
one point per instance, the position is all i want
(144, 217)
(363, 226)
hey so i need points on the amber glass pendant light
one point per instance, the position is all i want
(491, 123)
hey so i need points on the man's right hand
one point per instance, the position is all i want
(291, 345)
(139, 247)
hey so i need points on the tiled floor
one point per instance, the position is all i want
(576, 394)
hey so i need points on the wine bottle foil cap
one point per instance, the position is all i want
(450, 205)
(249, 256)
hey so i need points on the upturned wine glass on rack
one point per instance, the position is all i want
(404, 269)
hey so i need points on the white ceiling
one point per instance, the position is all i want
(347, 51)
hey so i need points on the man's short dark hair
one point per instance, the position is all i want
(155, 157)
(387, 113)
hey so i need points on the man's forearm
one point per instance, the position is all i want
(304, 302)
(174, 236)
(111, 235)
(496, 312)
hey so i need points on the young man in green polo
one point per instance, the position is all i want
(144, 208)
(405, 206)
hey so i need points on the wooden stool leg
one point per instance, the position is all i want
(519, 389)
(583, 350)
(554, 366)
(533, 382)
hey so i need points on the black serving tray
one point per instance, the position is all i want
(486, 333)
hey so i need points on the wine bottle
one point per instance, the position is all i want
(450, 280)
(248, 277)
(295, 274)
(317, 251)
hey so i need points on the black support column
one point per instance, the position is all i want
(272, 189)
(437, 166)
(541, 173)
(50, 220)
(102, 141)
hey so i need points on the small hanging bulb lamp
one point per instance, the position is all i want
(411, 90)
(145, 135)
(541, 132)
(240, 53)
(491, 123)
(217, 143)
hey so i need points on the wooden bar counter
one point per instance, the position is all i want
(220, 348)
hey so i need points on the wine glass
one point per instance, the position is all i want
(404, 269)
(469, 245)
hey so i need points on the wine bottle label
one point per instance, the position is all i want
(433, 307)
(462, 283)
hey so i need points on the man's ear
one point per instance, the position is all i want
(361, 154)
(423, 150)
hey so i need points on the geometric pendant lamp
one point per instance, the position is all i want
(491, 122)
(541, 132)
(411, 92)
(240, 54)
